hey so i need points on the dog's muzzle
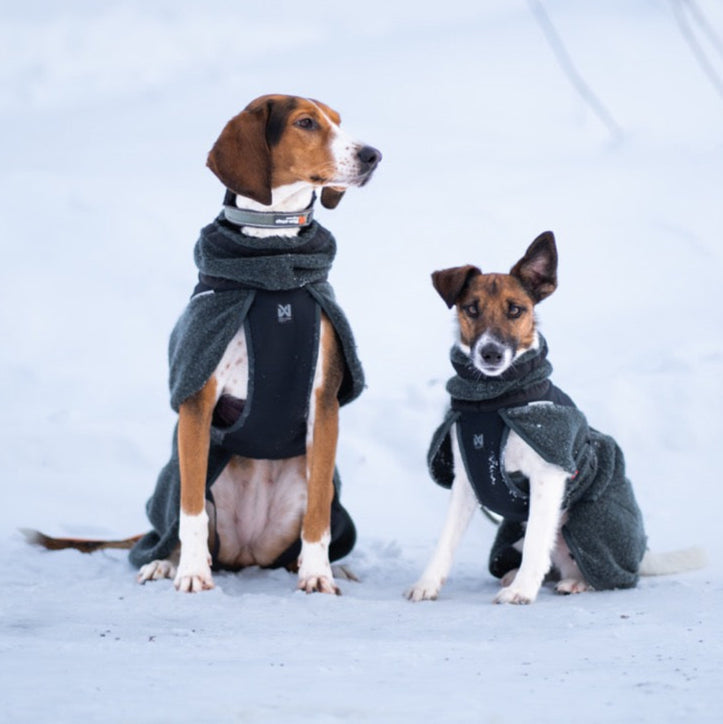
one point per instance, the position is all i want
(368, 159)
(490, 357)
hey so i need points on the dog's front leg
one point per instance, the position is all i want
(462, 505)
(323, 432)
(547, 489)
(194, 436)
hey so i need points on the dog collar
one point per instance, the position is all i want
(270, 219)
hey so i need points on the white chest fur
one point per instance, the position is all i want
(232, 372)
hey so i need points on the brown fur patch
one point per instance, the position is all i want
(304, 154)
(194, 438)
(321, 454)
(493, 296)
(240, 157)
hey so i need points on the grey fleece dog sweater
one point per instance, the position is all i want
(234, 270)
(604, 529)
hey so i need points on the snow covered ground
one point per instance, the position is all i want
(106, 113)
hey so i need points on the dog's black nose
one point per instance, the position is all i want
(369, 156)
(492, 354)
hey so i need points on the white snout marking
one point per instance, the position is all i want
(478, 362)
(344, 150)
(508, 358)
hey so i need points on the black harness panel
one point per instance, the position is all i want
(481, 433)
(480, 440)
(282, 337)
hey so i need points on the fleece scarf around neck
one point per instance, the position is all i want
(232, 268)
(277, 262)
(525, 379)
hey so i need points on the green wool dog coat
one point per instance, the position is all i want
(235, 269)
(604, 527)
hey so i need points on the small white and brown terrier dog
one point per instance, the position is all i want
(497, 344)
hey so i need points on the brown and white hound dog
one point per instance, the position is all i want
(272, 156)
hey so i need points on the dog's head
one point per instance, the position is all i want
(279, 140)
(496, 311)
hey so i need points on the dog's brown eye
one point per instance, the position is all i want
(514, 311)
(471, 310)
(307, 123)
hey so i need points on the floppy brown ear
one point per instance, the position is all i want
(240, 158)
(330, 197)
(450, 283)
(537, 270)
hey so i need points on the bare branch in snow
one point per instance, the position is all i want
(692, 41)
(567, 65)
(705, 26)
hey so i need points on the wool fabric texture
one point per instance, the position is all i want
(238, 265)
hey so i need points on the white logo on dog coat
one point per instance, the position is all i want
(283, 312)
(478, 441)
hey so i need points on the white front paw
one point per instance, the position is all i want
(317, 578)
(425, 589)
(516, 594)
(194, 578)
(315, 574)
(194, 568)
(318, 584)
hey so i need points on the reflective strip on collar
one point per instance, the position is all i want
(268, 219)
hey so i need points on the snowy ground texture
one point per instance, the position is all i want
(107, 111)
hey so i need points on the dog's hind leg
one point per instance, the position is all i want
(571, 578)
(462, 505)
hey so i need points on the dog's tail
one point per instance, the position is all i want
(84, 545)
(663, 564)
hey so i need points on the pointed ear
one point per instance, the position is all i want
(537, 270)
(240, 158)
(450, 283)
(330, 197)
